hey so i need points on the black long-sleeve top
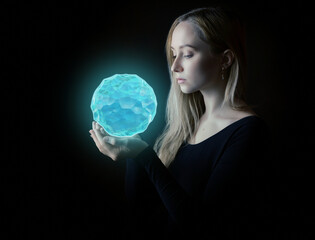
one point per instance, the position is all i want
(209, 190)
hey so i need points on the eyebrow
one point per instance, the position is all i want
(185, 45)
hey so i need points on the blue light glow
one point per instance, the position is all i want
(124, 105)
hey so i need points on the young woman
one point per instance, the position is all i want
(199, 180)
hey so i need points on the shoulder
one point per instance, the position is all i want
(251, 129)
(253, 123)
(241, 118)
(247, 140)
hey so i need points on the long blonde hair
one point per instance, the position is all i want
(221, 30)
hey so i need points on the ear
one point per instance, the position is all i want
(227, 58)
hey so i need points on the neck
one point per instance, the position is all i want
(213, 99)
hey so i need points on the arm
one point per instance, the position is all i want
(227, 190)
(136, 178)
(169, 191)
(146, 207)
(146, 212)
(140, 191)
(230, 177)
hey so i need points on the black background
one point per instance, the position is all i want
(56, 183)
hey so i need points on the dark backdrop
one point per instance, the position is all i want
(56, 183)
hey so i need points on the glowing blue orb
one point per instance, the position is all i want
(124, 105)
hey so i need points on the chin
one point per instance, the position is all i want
(187, 90)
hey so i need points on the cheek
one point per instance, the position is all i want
(203, 69)
(194, 68)
(210, 68)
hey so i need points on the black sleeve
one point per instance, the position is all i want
(227, 190)
(147, 213)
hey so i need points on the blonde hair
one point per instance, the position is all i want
(221, 30)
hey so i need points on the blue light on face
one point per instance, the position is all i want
(124, 105)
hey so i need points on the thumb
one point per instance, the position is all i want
(113, 140)
(109, 139)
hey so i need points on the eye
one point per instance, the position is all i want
(174, 56)
(188, 56)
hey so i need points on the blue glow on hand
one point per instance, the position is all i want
(124, 105)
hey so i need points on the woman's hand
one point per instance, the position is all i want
(116, 147)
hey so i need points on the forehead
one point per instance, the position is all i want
(185, 33)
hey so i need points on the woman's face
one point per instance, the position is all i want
(194, 68)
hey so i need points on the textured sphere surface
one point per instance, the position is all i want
(124, 105)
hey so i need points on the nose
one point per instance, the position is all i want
(176, 66)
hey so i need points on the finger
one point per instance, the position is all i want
(97, 126)
(93, 136)
(102, 146)
(103, 137)
(97, 132)
(103, 131)
(116, 141)
(95, 139)
(110, 140)
(99, 135)
(94, 125)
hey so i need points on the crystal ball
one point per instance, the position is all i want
(124, 105)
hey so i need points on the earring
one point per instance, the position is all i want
(222, 73)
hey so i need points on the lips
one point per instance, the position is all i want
(180, 80)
